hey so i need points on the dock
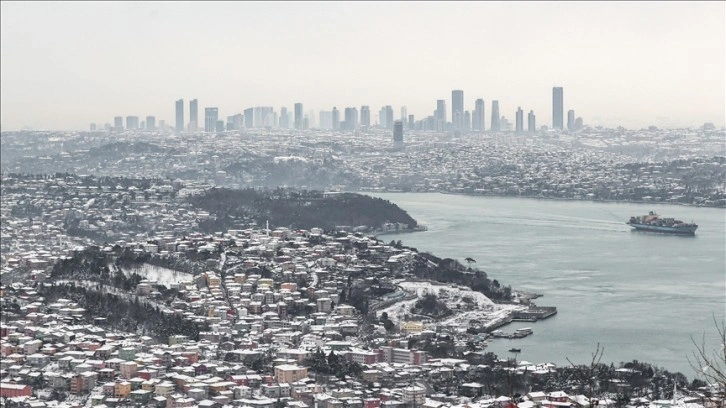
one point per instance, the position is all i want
(534, 313)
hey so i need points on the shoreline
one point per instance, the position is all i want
(619, 201)
(376, 233)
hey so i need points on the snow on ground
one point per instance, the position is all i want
(482, 309)
(161, 275)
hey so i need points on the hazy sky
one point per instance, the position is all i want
(634, 64)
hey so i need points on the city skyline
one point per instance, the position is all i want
(631, 65)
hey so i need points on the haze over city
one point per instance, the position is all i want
(636, 64)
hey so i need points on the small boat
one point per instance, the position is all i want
(515, 350)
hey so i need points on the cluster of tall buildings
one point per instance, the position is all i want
(460, 119)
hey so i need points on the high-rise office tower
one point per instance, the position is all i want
(389, 117)
(365, 116)
(93, 127)
(557, 107)
(531, 125)
(238, 121)
(150, 123)
(578, 123)
(457, 109)
(519, 121)
(411, 122)
(571, 119)
(477, 119)
(263, 116)
(336, 118)
(382, 117)
(132, 122)
(467, 121)
(118, 123)
(211, 115)
(440, 115)
(179, 115)
(398, 134)
(311, 120)
(284, 119)
(299, 116)
(249, 117)
(404, 114)
(193, 115)
(351, 118)
(326, 120)
(495, 123)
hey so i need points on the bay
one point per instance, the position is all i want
(642, 296)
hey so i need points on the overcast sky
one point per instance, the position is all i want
(65, 65)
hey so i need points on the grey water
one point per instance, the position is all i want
(641, 295)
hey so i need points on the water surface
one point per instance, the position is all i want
(640, 295)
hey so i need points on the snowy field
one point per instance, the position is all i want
(163, 276)
(482, 308)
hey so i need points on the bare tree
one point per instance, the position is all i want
(710, 364)
(591, 371)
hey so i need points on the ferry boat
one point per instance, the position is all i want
(654, 223)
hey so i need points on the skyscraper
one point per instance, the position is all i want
(284, 119)
(398, 134)
(477, 119)
(496, 125)
(93, 127)
(404, 114)
(467, 121)
(531, 125)
(311, 120)
(298, 116)
(570, 119)
(179, 116)
(118, 123)
(457, 109)
(389, 117)
(193, 115)
(382, 117)
(150, 123)
(557, 107)
(351, 118)
(326, 120)
(132, 122)
(440, 115)
(211, 115)
(411, 122)
(249, 118)
(519, 121)
(365, 116)
(336, 118)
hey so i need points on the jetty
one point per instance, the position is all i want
(534, 313)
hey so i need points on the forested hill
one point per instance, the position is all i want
(296, 209)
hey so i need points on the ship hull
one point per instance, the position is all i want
(664, 230)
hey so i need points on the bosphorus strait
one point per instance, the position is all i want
(640, 295)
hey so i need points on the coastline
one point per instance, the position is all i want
(377, 233)
(619, 201)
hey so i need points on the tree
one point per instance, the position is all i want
(470, 261)
(711, 364)
(588, 374)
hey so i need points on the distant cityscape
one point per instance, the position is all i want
(461, 120)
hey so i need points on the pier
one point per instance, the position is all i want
(534, 313)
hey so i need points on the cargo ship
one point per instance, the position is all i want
(654, 223)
